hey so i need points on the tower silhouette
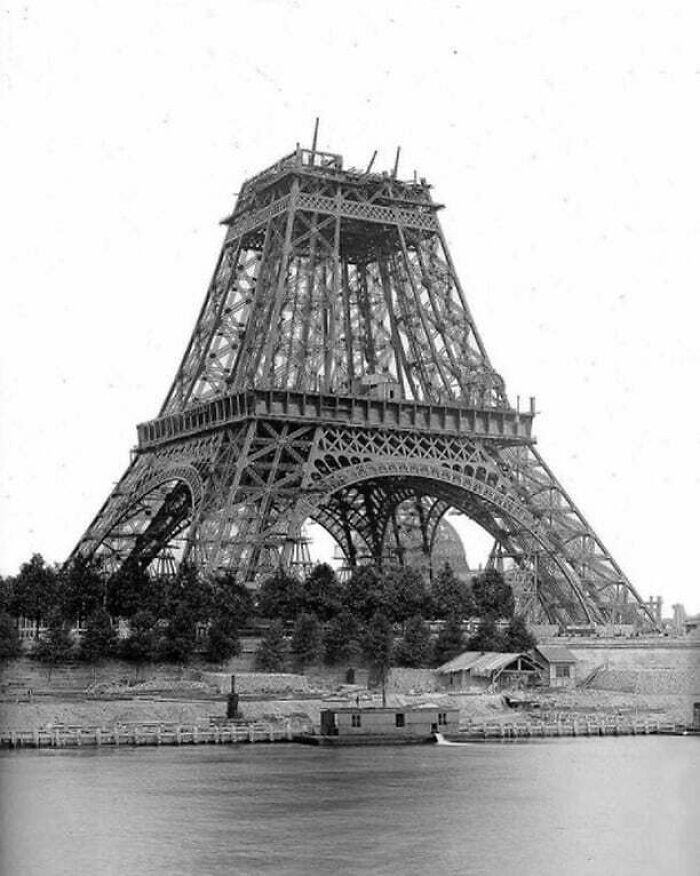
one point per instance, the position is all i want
(335, 373)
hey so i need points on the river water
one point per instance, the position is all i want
(566, 806)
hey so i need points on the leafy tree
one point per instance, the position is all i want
(306, 643)
(321, 592)
(449, 642)
(272, 651)
(7, 593)
(364, 594)
(280, 596)
(231, 601)
(222, 641)
(342, 639)
(141, 645)
(488, 637)
(180, 636)
(189, 593)
(99, 640)
(36, 593)
(82, 588)
(56, 646)
(518, 636)
(493, 597)
(405, 594)
(378, 645)
(232, 607)
(128, 591)
(10, 645)
(451, 595)
(414, 647)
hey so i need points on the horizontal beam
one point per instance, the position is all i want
(362, 210)
(505, 425)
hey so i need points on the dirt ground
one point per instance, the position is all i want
(28, 700)
(50, 711)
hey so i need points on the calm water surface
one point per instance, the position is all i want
(603, 806)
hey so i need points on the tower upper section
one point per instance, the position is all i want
(336, 281)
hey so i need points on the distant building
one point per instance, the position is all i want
(691, 625)
(489, 670)
(559, 663)
(679, 619)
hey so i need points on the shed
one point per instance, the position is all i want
(559, 663)
(490, 669)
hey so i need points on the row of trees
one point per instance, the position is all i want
(164, 614)
(345, 639)
(399, 593)
(382, 618)
(374, 616)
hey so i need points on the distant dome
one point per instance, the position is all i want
(448, 548)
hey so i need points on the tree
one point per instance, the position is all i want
(405, 594)
(129, 591)
(321, 592)
(363, 594)
(56, 646)
(280, 596)
(99, 640)
(180, 635)
(518, 636)
(272, 650)
(449, 642)
(451, 595)
(141, 644)
(306, 640)
(232, 607)
(82, 588)
(488, 637)
(189, 593)
(414, 647)
(36, 590)
(231, 602)
(493, 597)
(222, 641)
(378, 646)
(342, 639)
(7, 595)
(10, 645)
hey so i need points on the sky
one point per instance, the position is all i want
(562, 137)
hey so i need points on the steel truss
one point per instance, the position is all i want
(335, 373)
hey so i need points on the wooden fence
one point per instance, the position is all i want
(150, 734)
(607, 726)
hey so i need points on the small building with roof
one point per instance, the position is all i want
(372, 725)
(489, 670)
(559, 665)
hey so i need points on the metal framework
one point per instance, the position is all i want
(335, 373)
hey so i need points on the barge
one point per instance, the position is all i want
(382, 725)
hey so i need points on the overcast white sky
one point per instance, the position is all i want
(563, 138)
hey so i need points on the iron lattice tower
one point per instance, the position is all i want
(335, 373)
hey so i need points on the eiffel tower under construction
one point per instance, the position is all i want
(335, 374)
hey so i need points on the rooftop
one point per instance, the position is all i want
(556, 654)
(481, 662)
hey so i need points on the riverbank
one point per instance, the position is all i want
(168, 695)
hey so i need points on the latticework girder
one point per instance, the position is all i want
(335, 373)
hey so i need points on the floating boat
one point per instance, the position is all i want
(374, 725)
